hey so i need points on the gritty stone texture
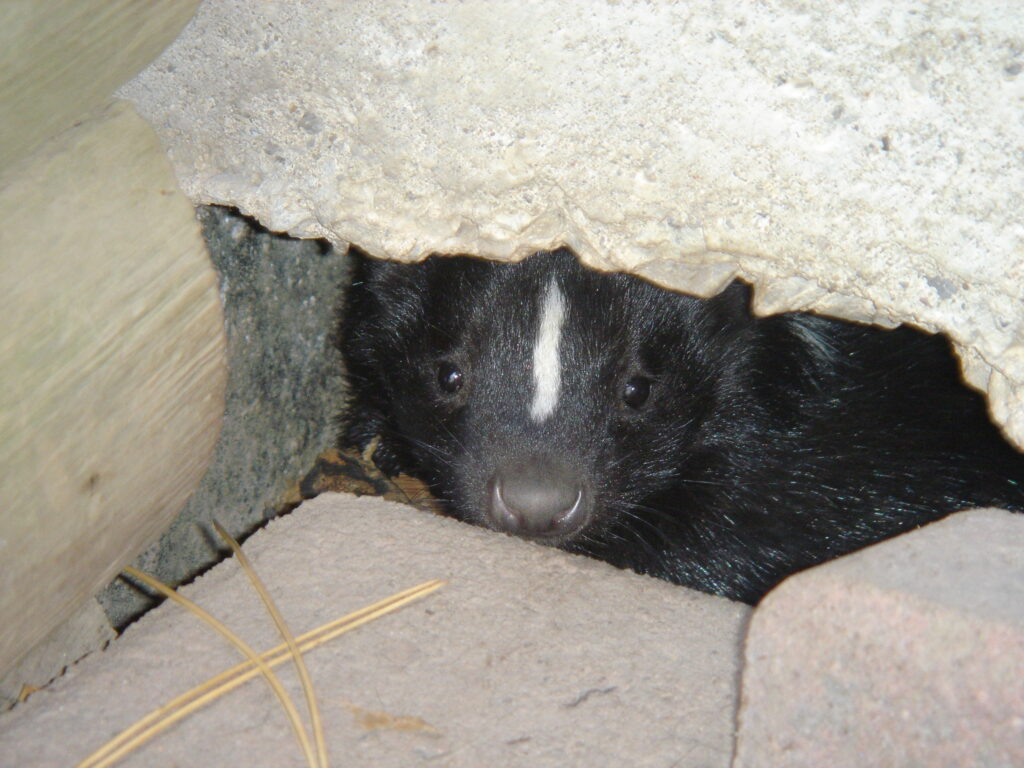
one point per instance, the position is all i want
(280, 299)
(910, 652)
(528, 657)
(863, 160)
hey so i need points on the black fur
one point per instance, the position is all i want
(764, 445)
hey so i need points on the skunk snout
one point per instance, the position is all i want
(537, 497)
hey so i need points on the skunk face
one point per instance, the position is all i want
(676, 436)
(532, 395)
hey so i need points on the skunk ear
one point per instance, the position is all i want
(730, 308)
(361, 303)
(383, 279)
(385, 296)
(368, 269)
(735, 298)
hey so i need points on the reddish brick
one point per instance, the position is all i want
(909, 653)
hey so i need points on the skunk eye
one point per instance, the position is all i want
(449, 378)
(636, 391)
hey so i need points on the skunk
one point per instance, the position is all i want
(679, 437)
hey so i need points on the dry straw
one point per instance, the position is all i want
(182, 706)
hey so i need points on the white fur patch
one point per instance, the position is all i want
(547, 365)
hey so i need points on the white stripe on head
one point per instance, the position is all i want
(547, 367)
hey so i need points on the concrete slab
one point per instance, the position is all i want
(528, 657)
(861, 160)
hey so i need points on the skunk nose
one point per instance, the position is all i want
(537, 497)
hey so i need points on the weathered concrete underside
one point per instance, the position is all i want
(860, 160)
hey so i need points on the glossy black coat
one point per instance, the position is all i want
(762, 446)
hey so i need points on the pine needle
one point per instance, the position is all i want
(289, 638)
(241, 645)
(190, 701)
